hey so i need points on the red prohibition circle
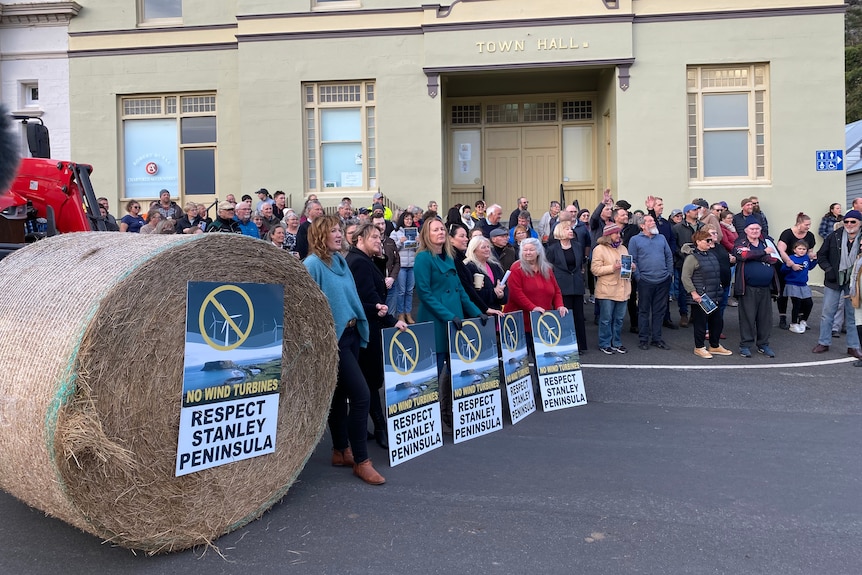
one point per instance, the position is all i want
(152, 168)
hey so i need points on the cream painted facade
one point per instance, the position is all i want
(34, 66)
(473, 98)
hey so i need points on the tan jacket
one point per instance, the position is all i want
(609, 284)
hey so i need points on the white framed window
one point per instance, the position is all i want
(340, 136)
(160, 12)
(169, 142)
(30, 94)
(728, 123)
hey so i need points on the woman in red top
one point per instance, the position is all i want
(532, 286)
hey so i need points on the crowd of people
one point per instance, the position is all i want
(613, 260)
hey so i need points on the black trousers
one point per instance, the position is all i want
(575, 303)
(652, 309)
(801, 308)
(349, 426)
(700, 320)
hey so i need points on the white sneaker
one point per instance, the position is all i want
(797, 328)
(804, 325)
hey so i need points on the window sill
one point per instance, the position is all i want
(729, 183)
(336, 6)
(162, 23)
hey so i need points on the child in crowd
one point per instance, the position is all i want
(796, 287)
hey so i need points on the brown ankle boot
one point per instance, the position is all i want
(342, 458)
(402, 317)
(367, 473)
(410, 319)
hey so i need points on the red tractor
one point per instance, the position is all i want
(45, 197)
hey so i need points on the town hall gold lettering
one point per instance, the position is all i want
(503, 46)
(542, 44)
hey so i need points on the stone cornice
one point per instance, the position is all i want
(36, 14)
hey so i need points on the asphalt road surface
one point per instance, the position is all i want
(676, 465)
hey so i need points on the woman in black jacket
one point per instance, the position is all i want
(567, 257)
(480, 260)
(372, 293)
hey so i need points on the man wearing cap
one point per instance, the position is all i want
(747, 215)
(169, 209)
(837, 256)
(363, 214)
(503, 251)
(492, 220)
(224, 223)
(378, 199)
(755, 283)
(653, 261)
(682, 233)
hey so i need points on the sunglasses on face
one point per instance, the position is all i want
(851, 221)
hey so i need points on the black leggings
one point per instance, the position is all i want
(801, 308)
(575, 303)
(350, 426)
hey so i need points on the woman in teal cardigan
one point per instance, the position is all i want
(348, 422)
(441, 299)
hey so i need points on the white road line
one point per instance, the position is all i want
(718, 365)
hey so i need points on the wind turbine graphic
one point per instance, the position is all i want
(226, 329)
(402, 358)
(275, 328)
(214, 325)
(467, 348)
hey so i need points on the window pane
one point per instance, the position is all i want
(725, 154)
(199, 176)
(150, 157)
(340, 164)
(725, 111)
(340, 125)
(466, 157)
(162, 9)
(198, 130)
(578, 153)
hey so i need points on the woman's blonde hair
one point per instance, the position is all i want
(475, 243)
(561, 231)
(425, 233)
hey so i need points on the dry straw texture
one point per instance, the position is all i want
(91, 349)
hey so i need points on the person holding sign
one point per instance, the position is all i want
(330, 271)
(532, 285)
(612, 291)
(566, 255)
(371, 286)
(701, 279)
(441, 297)
(486, 273)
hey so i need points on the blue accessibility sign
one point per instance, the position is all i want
(830, 160)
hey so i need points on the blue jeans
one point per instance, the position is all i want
(392, 298)
(832, 300)
(611, 314)
(403, 292)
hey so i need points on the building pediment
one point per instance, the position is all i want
(38, 13)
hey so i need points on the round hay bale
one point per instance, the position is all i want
(91, 350)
